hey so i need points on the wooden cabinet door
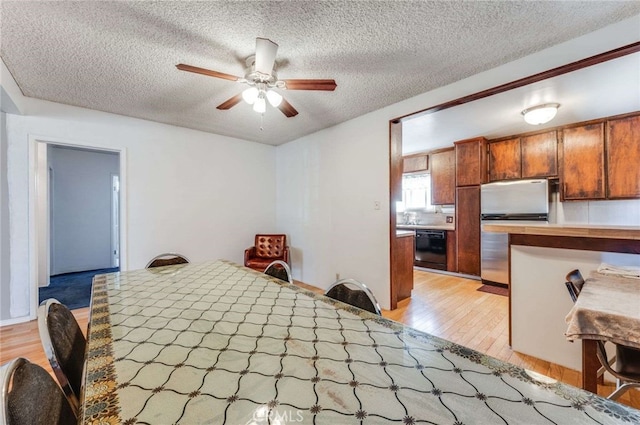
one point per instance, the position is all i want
(402, 266)
(539, 155)
(452, 260)
(504, 160)
(413, 163)
(623, 158)
(470, 162)
(468, 229)
(443, 178)
(583, 162)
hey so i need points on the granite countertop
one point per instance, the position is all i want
(447, 226)
(571, 230)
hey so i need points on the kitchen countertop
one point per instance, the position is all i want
(403, 233)
(448, 226)
(570, 230)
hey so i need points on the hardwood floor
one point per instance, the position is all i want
(446, 306)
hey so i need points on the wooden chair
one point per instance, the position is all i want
(64, 345)
(279, 269)
(31, 397)
(266, 249)
(626, 360)
(357, 294)
(166, 259)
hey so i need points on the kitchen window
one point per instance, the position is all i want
(416, 193)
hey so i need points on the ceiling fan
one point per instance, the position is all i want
(262, 79)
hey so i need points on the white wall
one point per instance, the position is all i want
(81, 207)
(202, 195)
(327, 185)
(328, 181)
(4, 223)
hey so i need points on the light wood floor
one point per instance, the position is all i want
(446, 306)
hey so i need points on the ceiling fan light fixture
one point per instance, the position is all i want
(250, 95)
(260, 105)
(540, 114)
(274, 98)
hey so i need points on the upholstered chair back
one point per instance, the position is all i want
(270, 246)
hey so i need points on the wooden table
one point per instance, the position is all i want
(608, 309)
(217, 343)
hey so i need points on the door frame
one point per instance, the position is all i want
(38, 201)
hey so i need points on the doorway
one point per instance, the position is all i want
(78, 227)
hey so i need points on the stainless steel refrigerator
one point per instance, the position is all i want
(522, 201)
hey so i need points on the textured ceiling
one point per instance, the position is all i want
(120, 56)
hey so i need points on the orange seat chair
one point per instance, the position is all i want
(267, 248)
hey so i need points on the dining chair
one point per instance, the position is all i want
(357, 294)
(626, 360)
(279, 269)
(64, 345)
(30, 396)
(166, 259)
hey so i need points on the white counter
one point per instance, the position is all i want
(570, 230)
(405, 233)
(448, 226)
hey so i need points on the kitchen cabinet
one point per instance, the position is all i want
(415, 163)
(623, 157)
(539, 155)
(524, 157)
(468, 229)
(471, 161)
(452, 260)
(402, 266)
(582, 164)
(504, 160)
(443, 177)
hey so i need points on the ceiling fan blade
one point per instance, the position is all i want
(287, 109)
(328, 85)
(208, 72)
(230, 103)
(265, 55)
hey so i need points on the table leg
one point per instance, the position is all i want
(590, 365)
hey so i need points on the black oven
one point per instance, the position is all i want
(431, 249)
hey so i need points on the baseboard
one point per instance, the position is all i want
(15, 321)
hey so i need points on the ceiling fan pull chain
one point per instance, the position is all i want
(261, 121)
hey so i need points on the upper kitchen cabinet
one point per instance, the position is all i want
(623, 157)
(524, 157)
(443, 177)
(504, 160)
(582, 149)
(539, 155)
(415, 163)
(471, 161)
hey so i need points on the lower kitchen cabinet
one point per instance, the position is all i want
(452, 261)
(468, 229)
(402, 266)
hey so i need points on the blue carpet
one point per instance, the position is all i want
(72, 289)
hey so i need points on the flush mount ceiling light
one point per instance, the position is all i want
(540, 114)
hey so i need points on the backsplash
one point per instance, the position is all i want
(624, 212)
(426, 218)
